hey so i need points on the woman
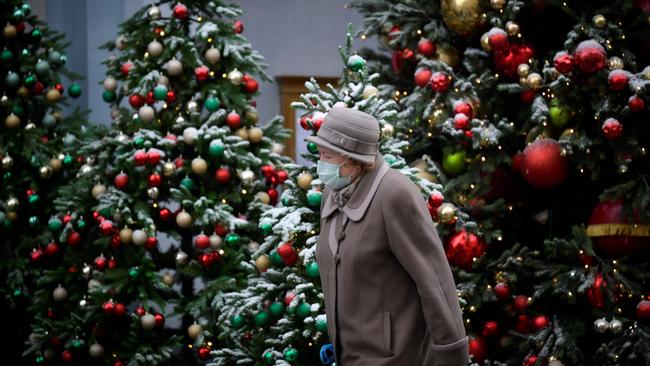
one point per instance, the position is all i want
(390, 296)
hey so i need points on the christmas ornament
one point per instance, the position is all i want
(534, 81)
(60, 294)
(356, 63)
(303, 310)
(370, 91)
(440, 82)
(74, 90)
(454, 162)
(160, 92)
(74, 239)
(202, 73)
(463, 17)
(387, 130)
(180, 11)
(237, 321)
(255, 135)
(543, 165)
(426, 47)
(247, 176)
(590, 56)
(121, 181)
(290, 354)
(235, 76)
(614, 233)
(126, 68)
(212, 55)
(184, 219)
(222, 175)
(497, 39)
(212, 104)
(643, 309)
(242, 133)
(199, 166)
(153, 12)
(155, 48)
(461, 121)
(490, 328)
(233, 120)
(616, 326)
(12, 121)
(507, 60)
(560, 114)
(446, 213)
(148, 321)
(502, 291)
(181, 258)
(601, 325)
(215, 241)
(314, 199)
(96, 350)
(462, 247)
(251, 86)
(478, 349)
(612, 129)
(238, 26)
(540, 322)
(422, 77)
(174, 67)
(194, 331)
(618, 80)
(636, 104)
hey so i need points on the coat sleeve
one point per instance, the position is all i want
(415, 243)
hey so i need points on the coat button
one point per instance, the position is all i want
(341, 236)
(337, 259)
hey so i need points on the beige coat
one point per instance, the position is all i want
(390, 296)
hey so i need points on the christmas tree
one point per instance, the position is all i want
(37, 144)
(532, 114)
(279, 318)
(162, 214)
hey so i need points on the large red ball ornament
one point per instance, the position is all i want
(507, 60)
(74, 239)
(520, 303)
(478, 349)
(136, 101)
(222, 175)
(180, 12)
(203, 353)
(140, 158)
(154, 180)
(440, 82)
(612, 129)
(643, 309)
(590, 56)
(202, 73)
(543, 165)
(251, 85)
(233, 120)
(618, 80)
(153, 157)
(121, 181)
(126, 67)
(464, 108)
(426, 47)
(238, 26)
(282, 176)
(636, 104)
(540, 322)
(106, 227)
(502, 291)
(202, 241)
(463, 247)
(614, 234)
(563, 62)
(151, 242)
(596, 293)
(422, 77)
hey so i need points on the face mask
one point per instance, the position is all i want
(329, 174)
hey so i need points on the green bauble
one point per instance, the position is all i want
(54, 57)
(25, 53)
(134, 272)
(233, 240)
(18, 15)
(6, 55)
(68, 159)
(262, 318)
(560, 114)
(160, 92)
(312, 148)
(42, 67)
(314, 198)
(81, 223)
(17, 109)
(109, 96)
(237, 321)
(33, 199)
(33, 221)
(48, 120)
(212, 104)
(454, 162)
(55, 224)
(30, 80)
(291, 354)
(74, 90)
(216, 149)
(26, 8)
(188, 183)
(37, 34)
(268, 358)
(12, 79)
(356, 63)
(321, 325)
(276, 259)
(303, 310)
(139, 141)
(266, 229)
(277, 308)
(312, 270)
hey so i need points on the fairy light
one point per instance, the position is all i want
(419, 32)
(499, 238)
(224, 75)
(199, 19)
(146, 54)
(210, 40)
(209, 344)
(364, 37)
(224, 201)
(243, 191)
(211, 73)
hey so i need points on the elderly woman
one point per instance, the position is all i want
(390, 296)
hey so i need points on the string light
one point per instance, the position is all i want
(364, 37)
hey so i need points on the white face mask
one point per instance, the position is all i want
(329, 174)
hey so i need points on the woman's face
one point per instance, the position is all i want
(329, 156)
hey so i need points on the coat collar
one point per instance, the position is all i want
(360, 200)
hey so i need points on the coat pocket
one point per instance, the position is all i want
(388, 349)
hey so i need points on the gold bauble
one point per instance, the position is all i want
(168, 279)
(370, 91)
(9, 31)
(56, 164)
(462, 16)
(446, 213)
(168, 169)
(98, 190)
(183, 219)
(235, 77)
(12, 121)
(439, 115)
(242, 133)
(523, 70)
(264, 197)
(304, 180)
(126, 235)
(255, 135)
(53, 95)
(199, 166)
(263, 263)
(615, 63)
(194, 331)
(252, 116)
(599, 20)
(645, 74)
(45, 171)
(278, 148)
(448, 55)
(497, 4)
(7, 162)
(23, 91)
(12, 215)
(534, 81)
(387, 130)
(512, 29)
(485, 42)
(12, 204)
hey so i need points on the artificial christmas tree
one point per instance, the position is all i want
(532, 115)
(37, 148)
(279, 319)
(165, 208)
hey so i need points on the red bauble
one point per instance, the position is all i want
(154, 180)
(112, 263)
(286, 250)
(595, 293)
(202, 73)
(267, 171)
(233, 120)
(502, 291)
(140, 311)
(426, 47)
(52, 248)
(463, 247)
(119, 362)
(612, 129)
(464, 108)
(422, 77)
(317, 121)
(221, 230)
(282, 176)
(121, 181)
(108, 307)
(461, 121)
(585, 259)
(507, 60)
(38, 88)
(140, 157)
(251, 86)
(436, 199)
(222, 175)
(153, 157)
(205, 259)
(590, 56)
(151, 242)
(180, 11)
(618, 80)
(527, 96)
(498, 39)
(106, 227)
(59, 87)
(303, 123)
(74, 239)
(116, 242)
(643, 309)
(520, 303)
(238, 26)
(202, 241)
(273, 194)
(613, 234)
(530, 361)
(540, 322)
(160, 320)
(522, 324)
(440, 82)
(67, 356)
(126, 67)
(119, 310)
(179, 162)
(36, 255)
(171, 97)
(203, 353)
(636, 103)
(490, 328)
(563, 62)
(216, 257)
(101, 262)
(543, 166)
(150, 98)
(478, 349)
(165, 214)
(288, 298)
(136, 101)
